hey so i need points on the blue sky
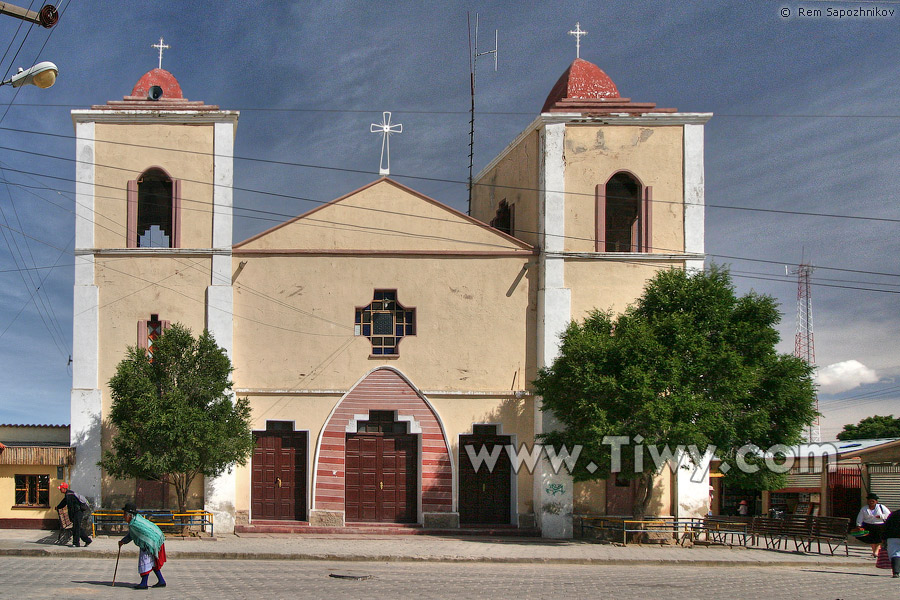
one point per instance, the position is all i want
(806, 121)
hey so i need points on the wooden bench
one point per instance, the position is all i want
(114, 520)
(725, 530)
(802, 530)
(832, 531)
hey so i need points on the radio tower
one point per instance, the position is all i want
(803, 342)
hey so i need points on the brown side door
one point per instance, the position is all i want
(381, 477)
(485, 496)
(278, 476)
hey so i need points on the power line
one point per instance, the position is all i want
(414, 177)
(308, 221)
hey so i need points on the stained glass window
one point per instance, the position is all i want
(385, 322)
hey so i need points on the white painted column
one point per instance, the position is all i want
(86, 400)
(220, 492)
(692, 487)
(694, 207)
(553, 492)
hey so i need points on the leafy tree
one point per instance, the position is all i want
(872, 428)
(174, 414)
(688, 364)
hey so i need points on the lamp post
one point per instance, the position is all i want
(42, 75)
(46, 17)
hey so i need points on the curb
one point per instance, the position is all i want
(28, 552)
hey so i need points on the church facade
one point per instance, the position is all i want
(382, 334)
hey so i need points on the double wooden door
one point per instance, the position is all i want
(381, 477)
(485, 495)
(278, 476)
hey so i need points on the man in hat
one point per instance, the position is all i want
(76, 507)
(743, 508)
(150, 539)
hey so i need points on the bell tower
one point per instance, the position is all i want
(610, 191)
(153, 235)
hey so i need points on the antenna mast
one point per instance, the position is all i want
(473, 61)
(804, 346)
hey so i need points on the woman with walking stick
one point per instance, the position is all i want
(151, 541)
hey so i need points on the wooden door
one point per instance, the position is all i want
(380, 479)
(278, 477)
(485, 495)
(620, 494)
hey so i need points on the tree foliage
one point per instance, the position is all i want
(174, 414)
(872, 428)
(688, 364)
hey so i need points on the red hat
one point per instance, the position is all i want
(742, 502)
(63, 486)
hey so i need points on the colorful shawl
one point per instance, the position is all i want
(146, 535)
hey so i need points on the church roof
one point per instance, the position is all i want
(172, 98)
(585, 88)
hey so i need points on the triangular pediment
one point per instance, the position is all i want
(384, 216)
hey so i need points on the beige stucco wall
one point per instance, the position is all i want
(516, 179)
(594, 153)
(604, 285)
(293, 326)
(132, 149)
(126, 299)
(590, 496)
(8, 492)
(384, 216)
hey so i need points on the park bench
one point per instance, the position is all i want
(724, 530)
(832, 531)
(802, 530)
(175, 522)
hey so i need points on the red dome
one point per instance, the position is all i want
(583, 81)
(162, 78)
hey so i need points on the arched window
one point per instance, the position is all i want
(623, 215)
(154, 210)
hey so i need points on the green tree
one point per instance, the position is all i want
(688, 364)
(174, 414)
(872, 428)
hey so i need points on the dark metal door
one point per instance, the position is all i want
(485, 495)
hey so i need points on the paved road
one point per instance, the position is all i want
(24, 578)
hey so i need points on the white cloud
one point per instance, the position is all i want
(844, 376)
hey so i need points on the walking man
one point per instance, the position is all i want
(76, 508)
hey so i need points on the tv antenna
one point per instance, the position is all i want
(804, 346)
(473, 61)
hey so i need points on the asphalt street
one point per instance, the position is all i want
(25, 578)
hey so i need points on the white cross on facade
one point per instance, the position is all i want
(161, 47)
(385, 129)
(577, 32)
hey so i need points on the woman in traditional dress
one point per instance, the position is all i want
(151, 541)
(872, 517)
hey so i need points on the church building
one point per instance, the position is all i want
(382, 333)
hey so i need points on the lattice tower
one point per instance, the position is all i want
(804, 346)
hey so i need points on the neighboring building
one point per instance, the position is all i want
(34, 460)
(827, 478)
(380, 334)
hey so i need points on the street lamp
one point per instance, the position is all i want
(42, 75)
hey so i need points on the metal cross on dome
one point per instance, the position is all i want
(161, 47)
(577, 32)
(385, 128)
